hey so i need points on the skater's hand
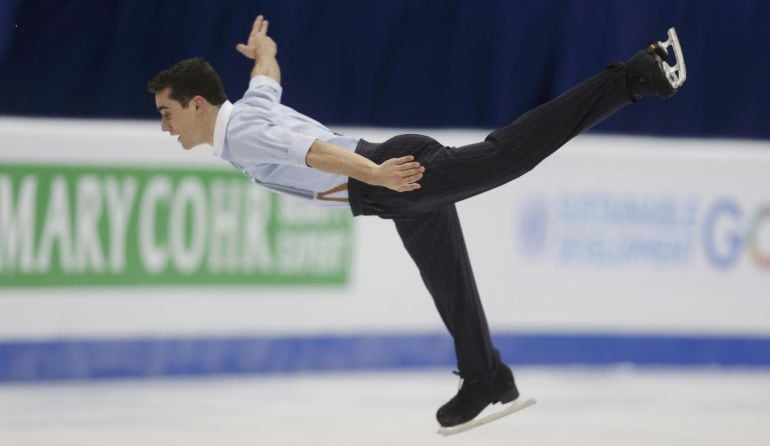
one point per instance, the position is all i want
(399, 174)
(259, 43)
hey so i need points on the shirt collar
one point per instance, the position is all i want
(220, 127)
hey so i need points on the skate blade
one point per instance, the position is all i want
(677, 74)
(512, 407)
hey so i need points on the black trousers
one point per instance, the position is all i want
(427, 221)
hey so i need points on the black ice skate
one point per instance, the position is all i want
(458, 414)
(648, 73)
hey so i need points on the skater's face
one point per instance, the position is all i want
(184, 122)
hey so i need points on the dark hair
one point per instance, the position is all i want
(190, 78)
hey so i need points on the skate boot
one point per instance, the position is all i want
(474, 396)
(648, 73)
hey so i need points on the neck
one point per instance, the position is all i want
(209, 122)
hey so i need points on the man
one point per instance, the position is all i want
(411, 179)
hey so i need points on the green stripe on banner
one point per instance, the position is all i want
(101, 225)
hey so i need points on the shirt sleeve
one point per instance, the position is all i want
(262, 90)
(262, 142)
(254, 135)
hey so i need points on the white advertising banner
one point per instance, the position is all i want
(634, 234)
(609, 235)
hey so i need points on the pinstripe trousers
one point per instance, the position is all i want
(426, 219)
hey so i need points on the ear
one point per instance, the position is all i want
(198, 102)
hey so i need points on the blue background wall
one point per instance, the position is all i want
(435, 63)
(400, 63)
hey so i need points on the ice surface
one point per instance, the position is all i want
(576, 406)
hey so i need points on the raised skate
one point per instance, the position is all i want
(649, 74)
(677, 74)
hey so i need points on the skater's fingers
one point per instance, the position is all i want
(409, 187)
(243, 49)
(398, 161)
(411, 172)
(413, 178)
(404, 159)
(413, 165)
(257, 24)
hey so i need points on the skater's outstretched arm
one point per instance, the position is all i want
(262, 49)
(398, 174)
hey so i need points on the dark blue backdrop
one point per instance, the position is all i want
(434, 63)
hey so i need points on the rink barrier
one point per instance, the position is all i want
(169, 357)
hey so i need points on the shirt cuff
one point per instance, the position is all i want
(268, 85)
(298, 150)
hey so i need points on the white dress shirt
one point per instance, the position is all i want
(268, 142)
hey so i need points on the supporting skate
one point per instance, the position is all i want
(459, 414)
(648, 73)
(506, 410)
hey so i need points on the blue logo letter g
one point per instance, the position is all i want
(725, 251)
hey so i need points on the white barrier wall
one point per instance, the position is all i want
(623, 234)
(609, 235)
